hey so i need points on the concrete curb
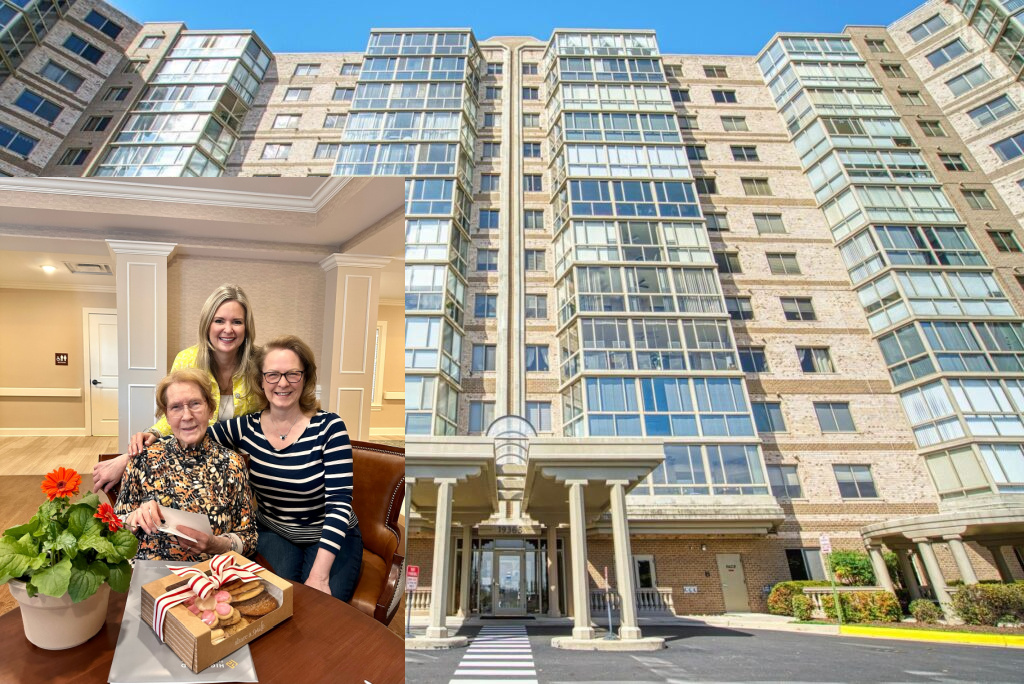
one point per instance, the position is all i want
(966, 638)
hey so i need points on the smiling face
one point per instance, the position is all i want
(187, 412)
(227, 331)
(282, 394)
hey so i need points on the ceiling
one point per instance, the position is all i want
(52, 220)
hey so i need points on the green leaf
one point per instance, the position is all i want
(67, 543)
(93, 539)
(16, 556)
(31, 589)
(81, 520)
(21, 530)
(85, 581)
(91, 500)
(125, 544)
(53, 581)
(120, 577)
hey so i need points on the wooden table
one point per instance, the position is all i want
(325, 640)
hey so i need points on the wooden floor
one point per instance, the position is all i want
(25, 460)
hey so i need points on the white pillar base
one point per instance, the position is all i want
(582, 632)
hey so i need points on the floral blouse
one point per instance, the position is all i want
(207, 478)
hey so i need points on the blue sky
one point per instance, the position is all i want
(728, 28)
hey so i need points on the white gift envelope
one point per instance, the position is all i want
(173, 519)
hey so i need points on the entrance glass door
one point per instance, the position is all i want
(508, 576)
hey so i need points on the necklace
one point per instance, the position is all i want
(294, 423)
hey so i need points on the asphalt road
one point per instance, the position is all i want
(708, 654)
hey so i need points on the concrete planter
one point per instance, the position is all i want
(57, 623)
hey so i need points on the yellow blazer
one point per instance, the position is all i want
(245, 401)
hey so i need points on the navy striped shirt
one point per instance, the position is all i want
(303, 492)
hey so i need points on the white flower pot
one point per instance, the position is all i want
(57, 623)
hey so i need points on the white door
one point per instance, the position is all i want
(734, 585)
(103, 373)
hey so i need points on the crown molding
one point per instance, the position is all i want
(72, 287)
(155, 192)
(139, 247)
(354, 261)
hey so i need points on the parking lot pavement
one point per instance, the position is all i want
(709, 654)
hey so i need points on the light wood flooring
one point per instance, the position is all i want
(25, 460)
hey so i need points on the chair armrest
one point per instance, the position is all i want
(385, 611)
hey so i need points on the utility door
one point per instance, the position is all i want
(734, 584)
(103, 373)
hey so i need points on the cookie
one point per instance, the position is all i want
(244, 587)
(246, 595)
(230, 619)
(233, 584)
(237, 627)
(257, 606)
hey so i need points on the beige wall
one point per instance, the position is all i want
(391, 417)
(287, 298)
(36, 325)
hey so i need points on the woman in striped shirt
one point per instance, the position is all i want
(300, 470)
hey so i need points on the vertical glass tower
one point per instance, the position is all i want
(190, 114)
(949, 336)
(646, 345)
(413, 114)
(23, 25)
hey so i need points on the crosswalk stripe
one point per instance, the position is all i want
(497, 654)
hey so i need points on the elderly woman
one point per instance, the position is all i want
(190, 472)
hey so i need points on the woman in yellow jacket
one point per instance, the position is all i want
(225, 351)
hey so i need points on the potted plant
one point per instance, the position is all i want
(62, 563)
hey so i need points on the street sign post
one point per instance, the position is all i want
(826, 548)
(608, 602)
(412, 580)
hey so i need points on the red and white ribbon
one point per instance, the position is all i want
(223, 569)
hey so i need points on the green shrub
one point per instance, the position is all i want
(925, 611)
(802, 607)
(990, 604)
(864, 606)
(852, 568)
(780, 600)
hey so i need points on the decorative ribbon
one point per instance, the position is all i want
(223, 569)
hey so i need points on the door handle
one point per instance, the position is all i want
(96, 382)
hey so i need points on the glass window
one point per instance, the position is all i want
(705, 186)
(484, 356)
(734, 123)
(531, 120)
(487, 260)
(61, 76)
(96, 123)
(798, 309)
(532, 183)
(529, 68)
(103, 24)
(696, 152)
(491, 150)
(481, 415)
(783, 263)
(739, 308)
(489, 219)
(485, 306)
(953, 161)
(768, 416)
(688, 122)
(756, 187)
(815, 360)
(349, 69)
(16, 141)
(536, 306)
(855, 481)
(893, 71)
(877, 45)
(335, 120)
(744, 153)
(834, 417)
(326, 150)
(535, 260)
(978, 199)
(1004, 240)
(343, 94)
(912, 98)
(715, 71)
(489, 182)
(680, 94)
(307, 69)
(992, 110)
(769, 223)
(531, 93)
(784, 481)
(932, 129)
(537, 358)
(79, 46)
(533, 219)
(276, 150)
(287, 121)
(150, 42)
(724, 96)
(728, 262)
(946, 53)
(753, 359)
(969, 80)
(1010, 148)
(538, 413)
(297, 94)
(38, 105)
(531, 150)
(717, 221)
(927, 28)
(75, 156)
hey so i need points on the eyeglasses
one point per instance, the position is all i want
(273, 377)
(192, 406)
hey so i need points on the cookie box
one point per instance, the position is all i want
(193, 640)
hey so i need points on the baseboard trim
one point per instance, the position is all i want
(43, 432)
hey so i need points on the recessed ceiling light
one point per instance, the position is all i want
(49, 269)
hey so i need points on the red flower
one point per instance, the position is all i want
(106, 514)
(62, 482)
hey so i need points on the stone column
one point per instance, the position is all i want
(553, 610)
(963, 562)
(467, 557)
(141, 331)
(881, 570)
(628, 627)
(441, 568)
(580, 584)
(350, 323)
(1005, 574)
(935, 578)
(907, 568)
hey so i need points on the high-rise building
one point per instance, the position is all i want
(673, 316)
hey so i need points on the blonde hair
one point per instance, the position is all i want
(307, 401)
(205, 359)
(184, 375)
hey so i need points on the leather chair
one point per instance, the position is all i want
(379, 486)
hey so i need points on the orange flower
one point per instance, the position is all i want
(106, 514)
(62, 482)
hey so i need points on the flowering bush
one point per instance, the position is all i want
(925, 611)
(68, 548)
(780, 600)
(866, 606)
(990, 604)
